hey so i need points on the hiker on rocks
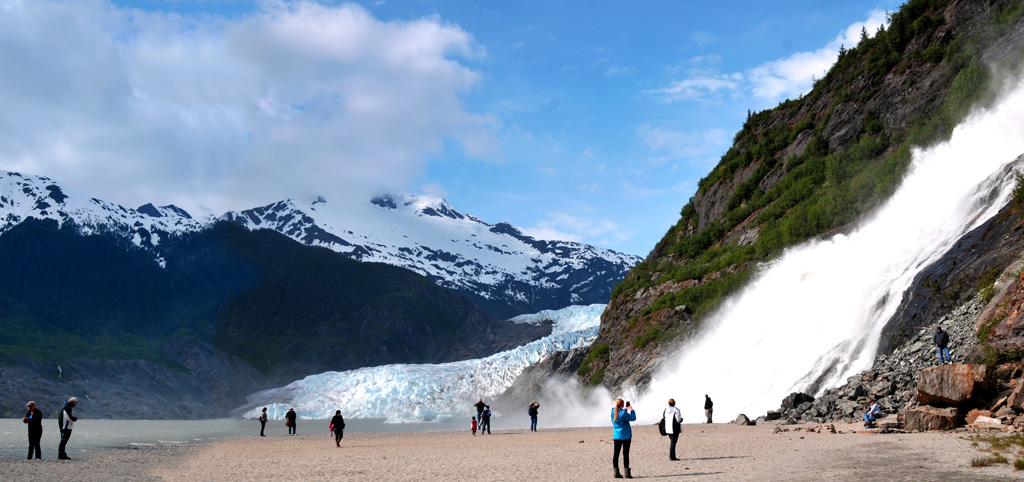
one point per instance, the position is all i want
(673, 419)
(532, 411)
(941, 340)
(34, 419)
(479, 411)
(874, 413)
(263, 421)
(338, 427)
(485, 420)
(622, 435)
(66, 420)
(289, 420)
(708, 410)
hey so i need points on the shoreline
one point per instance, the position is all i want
(710, 452)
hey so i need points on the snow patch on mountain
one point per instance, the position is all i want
(459, 251)
(24, 196)
(428, 392)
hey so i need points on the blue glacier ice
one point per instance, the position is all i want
(405, 392)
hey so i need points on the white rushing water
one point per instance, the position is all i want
(816, 313)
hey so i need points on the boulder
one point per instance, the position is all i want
(974, 414)
(1016, 398)
(742, 420)
(773, 415)
(795, 399)
(930, 418)
(988, 422)
(952, 385)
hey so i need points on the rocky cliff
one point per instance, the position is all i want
(813, 167)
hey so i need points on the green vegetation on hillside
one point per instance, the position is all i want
(824, 189)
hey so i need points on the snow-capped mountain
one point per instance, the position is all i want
(24, 196)
(498, 267)
(431, 391)
(493, 264)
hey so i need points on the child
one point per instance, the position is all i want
(473, 426)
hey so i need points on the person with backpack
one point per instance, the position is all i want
(622, 435)
(338, 427)
(708, 407)
(941, 340)
(479, 411)
(263, 421)
(673, 418)
(532, 412)
(34, 419)
(66, 420)
(485, 420)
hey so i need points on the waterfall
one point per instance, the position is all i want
(813, 317)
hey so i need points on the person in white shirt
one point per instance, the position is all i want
(673, 419)
(67, 422)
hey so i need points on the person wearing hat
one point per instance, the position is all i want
(34, 419)
(67, 422)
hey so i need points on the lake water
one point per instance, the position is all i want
(94, 435)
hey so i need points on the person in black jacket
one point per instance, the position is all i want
(479, 411)
(290, 421)
(708, 404)
(941, 340)
(338, 427)
(485, 416)
(34, 419)
(532, 411)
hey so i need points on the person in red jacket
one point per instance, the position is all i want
(473, 426)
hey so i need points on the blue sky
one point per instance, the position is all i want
(587, 123)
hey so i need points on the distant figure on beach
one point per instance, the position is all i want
(338, 427)
(289, 420)
(485, 420)
(673, 419)
(472, 426)
(263, 421)
(941, 340)
(874, 413)
(622, 435)
(479, 412)
(708, 410)
(532, 411)
(66, 420)
(34, 419)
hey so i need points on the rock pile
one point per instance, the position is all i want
(892, 381)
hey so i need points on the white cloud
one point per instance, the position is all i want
(567, 227)
(701, 37)
(668, 143)
(614, 71)
(296, 99)
(770, 82)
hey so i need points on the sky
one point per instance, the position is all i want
(586, 123)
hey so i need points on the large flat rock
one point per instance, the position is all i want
(952, 385)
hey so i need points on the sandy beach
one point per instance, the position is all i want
(708, 452)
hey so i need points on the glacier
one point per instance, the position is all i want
(427, 392)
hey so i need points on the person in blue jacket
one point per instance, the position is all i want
(622, 435)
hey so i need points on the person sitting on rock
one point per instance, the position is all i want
(874, 413)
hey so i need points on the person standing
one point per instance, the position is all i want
(479, 412)
(485, 420)
(34, 419)
(263, 421)
(708, 404)
(673, 419)
(290, 421)
(66, 420)
(472, 426)
(941, 340)
(534, 408)
(622, 435)
(338, 427)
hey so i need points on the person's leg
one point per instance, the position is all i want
(945, 351)
(941, 360)
(533, 424)
(672, 439)
(625, 454)
(35, 443)
(711, 412)
(617, 444)
(62, 448)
